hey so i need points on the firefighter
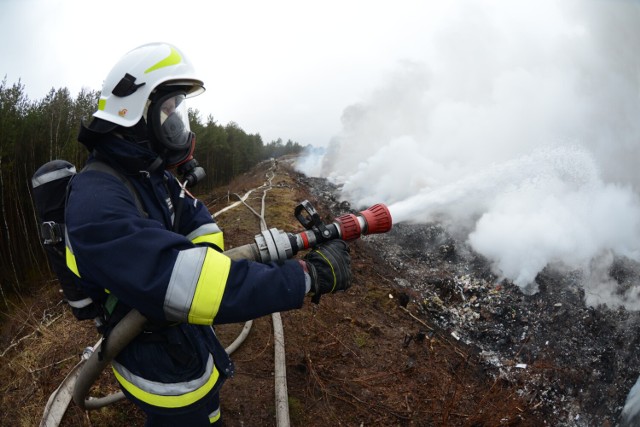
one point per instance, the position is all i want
(162, 254)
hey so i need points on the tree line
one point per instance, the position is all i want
(33, 132)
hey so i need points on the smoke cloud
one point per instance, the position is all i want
(519, 126)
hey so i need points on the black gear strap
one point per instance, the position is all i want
(126, 86)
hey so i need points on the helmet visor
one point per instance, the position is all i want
(171, 124)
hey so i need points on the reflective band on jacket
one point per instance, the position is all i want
(170, 395)
(214, 416)
(69, 256)
(197, 284)
(208, 233)
(81, 303)
(52, 176)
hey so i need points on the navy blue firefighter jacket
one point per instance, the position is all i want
(178, 280)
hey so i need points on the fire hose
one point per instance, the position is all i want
(268, 246)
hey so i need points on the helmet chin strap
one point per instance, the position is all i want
(137, 133)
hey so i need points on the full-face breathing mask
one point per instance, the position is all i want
(168, 121)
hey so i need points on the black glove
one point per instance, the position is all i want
(329, 266)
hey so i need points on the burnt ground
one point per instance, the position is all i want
(426, 336)
(573, 364)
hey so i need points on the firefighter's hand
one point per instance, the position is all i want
(329, 266)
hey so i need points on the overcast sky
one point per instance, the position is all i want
(279, 68)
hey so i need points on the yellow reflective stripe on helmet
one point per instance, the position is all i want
(176, 399)
(210, 288)
(102, 103)
(174, 58)
(216, 238)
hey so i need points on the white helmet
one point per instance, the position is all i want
(138, 73)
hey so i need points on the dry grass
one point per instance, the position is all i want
(41, 342)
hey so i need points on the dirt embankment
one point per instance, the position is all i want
(425, 337)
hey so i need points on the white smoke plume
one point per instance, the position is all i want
(519, 126)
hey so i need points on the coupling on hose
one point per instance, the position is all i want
(274, 245)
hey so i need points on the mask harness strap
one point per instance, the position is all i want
(180, 205)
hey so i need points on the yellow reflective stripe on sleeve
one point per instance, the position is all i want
(169, 401)
(208, 233)
(216, 238)
(71, 261)
(210, 288)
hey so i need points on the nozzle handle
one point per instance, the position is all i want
(311, 219)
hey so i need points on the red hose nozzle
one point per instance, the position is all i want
(376, 219)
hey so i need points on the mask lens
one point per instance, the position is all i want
(173, 130)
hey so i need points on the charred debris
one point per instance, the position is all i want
(577, 362)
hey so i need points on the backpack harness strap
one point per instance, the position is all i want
(100, 166)
(111, 318)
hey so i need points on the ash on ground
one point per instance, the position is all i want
(574, 361)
